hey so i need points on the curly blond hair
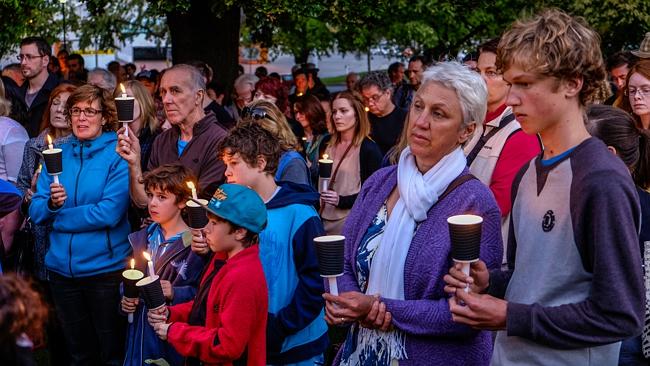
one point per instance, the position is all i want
(553, 43)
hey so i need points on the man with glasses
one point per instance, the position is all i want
(499, 148)
(34, 93)
(386, 120)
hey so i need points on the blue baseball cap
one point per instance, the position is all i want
(240, 205)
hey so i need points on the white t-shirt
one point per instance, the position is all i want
(13, 137)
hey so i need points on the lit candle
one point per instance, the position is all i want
(49, 143)
(40, 169)
(366, 109)
(147, 256)
(124, 96)
(191, 186)
(131, 276)
(325, 166)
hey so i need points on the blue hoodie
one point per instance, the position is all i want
(296, 329)
(89, 233)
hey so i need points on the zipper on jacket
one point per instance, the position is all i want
(108, 242)
(76, 186)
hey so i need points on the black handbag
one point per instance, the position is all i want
(21, 257)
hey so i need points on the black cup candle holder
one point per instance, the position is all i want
(465, 236)
(330, 250)
(151, 291)
(196, 214)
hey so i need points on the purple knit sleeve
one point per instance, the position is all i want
(427, 314)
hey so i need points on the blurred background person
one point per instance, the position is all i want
(313, 120)
(355, 158)
(637, 93)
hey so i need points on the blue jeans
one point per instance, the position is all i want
(87, 308)
(631, 354)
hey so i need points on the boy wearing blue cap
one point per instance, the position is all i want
(296, 330)
(226, 321)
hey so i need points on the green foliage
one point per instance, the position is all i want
(319, 27)
(20, 18)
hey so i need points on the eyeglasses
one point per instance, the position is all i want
(643, 91)
(374, 98)
(28, 57)
(88, 112)
(254, 113)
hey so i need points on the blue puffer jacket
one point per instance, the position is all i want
(89, 233)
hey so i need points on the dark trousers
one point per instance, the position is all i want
(87, 308)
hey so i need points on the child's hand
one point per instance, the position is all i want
(161, 330)
(168, 289)
(129, 305)
(199, 244)
(158, 316)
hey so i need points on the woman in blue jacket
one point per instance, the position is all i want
(88, 241)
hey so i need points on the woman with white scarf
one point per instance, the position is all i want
(397, 239)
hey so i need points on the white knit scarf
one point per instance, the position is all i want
(418, 193)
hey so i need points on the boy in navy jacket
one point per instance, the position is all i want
(168, 241)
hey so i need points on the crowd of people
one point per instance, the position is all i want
(536, 133)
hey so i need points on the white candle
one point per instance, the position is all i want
(49, 142)
(147, 256)
(124, 95)
(191, 186)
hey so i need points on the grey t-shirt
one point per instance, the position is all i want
(576, 287)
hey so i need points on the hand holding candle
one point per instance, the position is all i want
(125, 105)
(330, 253)
(324, 173)
(465, 235)
(131, 276)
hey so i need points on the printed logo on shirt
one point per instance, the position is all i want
(548, 222)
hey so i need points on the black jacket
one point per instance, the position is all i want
(36, 110)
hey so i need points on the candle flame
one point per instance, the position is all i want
(146, 256)
(366, 109)
(122, 88)
(49, 140)
(190, 185)
(325, 156)
(132, 263)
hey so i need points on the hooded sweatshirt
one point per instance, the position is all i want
(89, 232)
(296, 328)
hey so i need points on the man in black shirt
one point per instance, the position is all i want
(386, 120)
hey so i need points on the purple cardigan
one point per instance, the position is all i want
(432, 338)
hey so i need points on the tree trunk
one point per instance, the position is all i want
(200, 34)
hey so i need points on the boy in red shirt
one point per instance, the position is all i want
(226, 321)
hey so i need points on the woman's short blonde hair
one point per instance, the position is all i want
(275, 122)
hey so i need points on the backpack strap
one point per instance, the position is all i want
(485, 138)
